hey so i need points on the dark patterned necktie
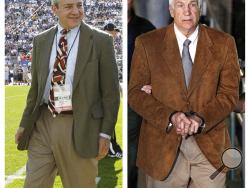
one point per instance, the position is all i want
(59, 70)
(187, 61)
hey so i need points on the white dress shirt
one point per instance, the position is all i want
(193, 38)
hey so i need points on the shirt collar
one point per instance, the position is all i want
(74, 30)
(181, 38)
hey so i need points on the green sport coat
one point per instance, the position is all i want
(95, 97)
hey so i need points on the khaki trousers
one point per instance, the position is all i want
(191, 163)
(51, 152)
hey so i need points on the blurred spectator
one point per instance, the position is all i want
(7, 72)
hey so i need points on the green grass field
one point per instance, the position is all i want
(110, 170)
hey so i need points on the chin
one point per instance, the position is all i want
(71, 26)
(189, 27)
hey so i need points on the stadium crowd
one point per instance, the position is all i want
(24, 19)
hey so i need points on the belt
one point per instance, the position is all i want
(70, 112)
(67, 112)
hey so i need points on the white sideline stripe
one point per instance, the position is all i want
(97, 180)
(17, 175)
(9, 97)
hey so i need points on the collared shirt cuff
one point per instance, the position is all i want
(105, 136)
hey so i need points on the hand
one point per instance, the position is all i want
(195, 124)
(181, 123)
(147, 89)
(19, 134)
(103, 148)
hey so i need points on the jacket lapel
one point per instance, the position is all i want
(172, 57)
(202, 58)
(45, 49)
(84, 49)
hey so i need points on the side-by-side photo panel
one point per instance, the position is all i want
(186, 93)
(63, 93)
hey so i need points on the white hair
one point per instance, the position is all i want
(172, 1)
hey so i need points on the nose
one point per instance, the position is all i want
(187, 10)
(76, 10)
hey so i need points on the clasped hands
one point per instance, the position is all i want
(184, 124)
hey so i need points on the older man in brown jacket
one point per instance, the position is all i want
(194, 74)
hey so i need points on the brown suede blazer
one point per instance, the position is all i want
(212, 93)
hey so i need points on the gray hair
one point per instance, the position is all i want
(54, 2)
(172, 1)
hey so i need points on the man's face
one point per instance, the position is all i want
(186, 15)
(69, 12)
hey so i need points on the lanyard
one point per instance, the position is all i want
(72, 43)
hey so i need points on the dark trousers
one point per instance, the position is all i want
(134, 125)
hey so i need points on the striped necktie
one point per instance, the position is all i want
(59, 69)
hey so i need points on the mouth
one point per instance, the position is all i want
(74, 18)
(187, 20)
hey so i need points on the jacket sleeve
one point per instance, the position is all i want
(109, 85)
(33, 92)
(152, 110)
(227, 96)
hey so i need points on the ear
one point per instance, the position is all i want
(171, 10)
(55, 9)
